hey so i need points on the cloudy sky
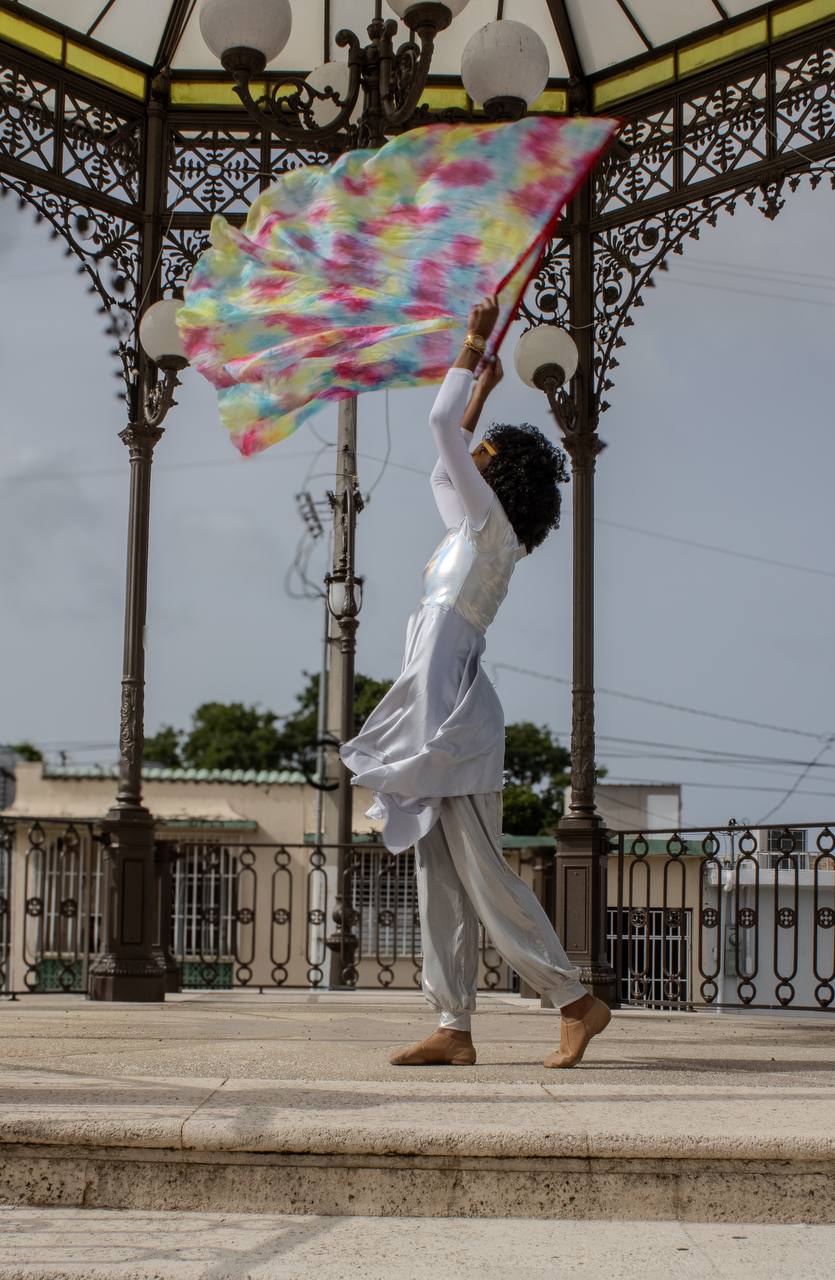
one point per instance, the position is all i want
(715, 561)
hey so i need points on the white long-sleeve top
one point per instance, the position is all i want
(458, 487)
(439, 731)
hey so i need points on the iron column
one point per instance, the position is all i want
(129, 968)
(582, 843)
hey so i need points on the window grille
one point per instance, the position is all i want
(655, 961)
(384, 892)
(205, 903)
(783, 840)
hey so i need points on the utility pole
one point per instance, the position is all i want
(344, 596)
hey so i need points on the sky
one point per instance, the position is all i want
(719, 465)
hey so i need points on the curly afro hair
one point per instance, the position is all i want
(525, 475)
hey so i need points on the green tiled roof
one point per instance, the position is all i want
(153, 773)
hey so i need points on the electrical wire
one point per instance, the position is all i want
(712, 546)
(652, 533)
(777, 275)
(804, 772)
(754, 293)
(386, 459)
(94, 473)
(715, 786)
(658, 702)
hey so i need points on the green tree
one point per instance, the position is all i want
(537, 770)
(163, 748)
(26, 750)
(298, 730)
(230, 735)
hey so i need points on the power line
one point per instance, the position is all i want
(94, 472)
(727, 757)
(657, 702)
(387, 459)
(768, 272)
(655, 533)
(793, 790)
(754, 293)
(711, 546)
(714, 786)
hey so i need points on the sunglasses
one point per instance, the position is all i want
(488, 448)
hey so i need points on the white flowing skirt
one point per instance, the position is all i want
(439, 731)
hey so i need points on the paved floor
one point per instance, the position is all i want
(97, 1244)
(307, 1036)
(294, 1072)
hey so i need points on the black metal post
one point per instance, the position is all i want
(582, 844)
(129, 968)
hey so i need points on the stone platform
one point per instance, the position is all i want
(108, 1244)
(285, 1104)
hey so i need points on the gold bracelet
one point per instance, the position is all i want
(476, 343)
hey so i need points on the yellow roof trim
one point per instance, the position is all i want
(553, 100)
(76, 57)
(719, 48)
(440, 96)
(105, 70)
(649, 76)
(30, 36)
(209, 93)
(803, 14)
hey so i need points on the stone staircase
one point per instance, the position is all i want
(286, 1105)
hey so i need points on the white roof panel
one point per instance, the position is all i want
(673, 19)
(76, 14)
(134, 29)
(734, 8)
(605, 31)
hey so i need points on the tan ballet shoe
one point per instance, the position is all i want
(575, 1034)
(435, 1051)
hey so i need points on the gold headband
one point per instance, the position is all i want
(491, 448)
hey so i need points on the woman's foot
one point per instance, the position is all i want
(443, 1048)
(581, 1021)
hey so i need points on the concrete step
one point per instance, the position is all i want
(100, 1244)
(432, 1149)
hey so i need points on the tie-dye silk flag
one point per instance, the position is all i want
(361, 274)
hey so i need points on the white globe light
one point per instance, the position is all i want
(402, 7)
(337, 75)
(546, 344)
(246, 24)
(505, 59)
(159, 334)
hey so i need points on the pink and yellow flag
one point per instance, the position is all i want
(360, 275)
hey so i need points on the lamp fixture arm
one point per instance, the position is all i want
(287, 107)
(403, 74)
(158, 397)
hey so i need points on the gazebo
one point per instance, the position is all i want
(124, 131)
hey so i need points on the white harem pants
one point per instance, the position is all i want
(462, 877)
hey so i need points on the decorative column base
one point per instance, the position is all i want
(582, 863)
(128, 969)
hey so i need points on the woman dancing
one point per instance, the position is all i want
(433, 749)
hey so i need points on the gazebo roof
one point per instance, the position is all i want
(625, 46)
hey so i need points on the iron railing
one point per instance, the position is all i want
(264, 916)
(256, 916)
(725, 917)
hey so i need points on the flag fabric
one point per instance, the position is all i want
(360, 275)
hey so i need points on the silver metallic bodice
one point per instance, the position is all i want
(470, 571)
